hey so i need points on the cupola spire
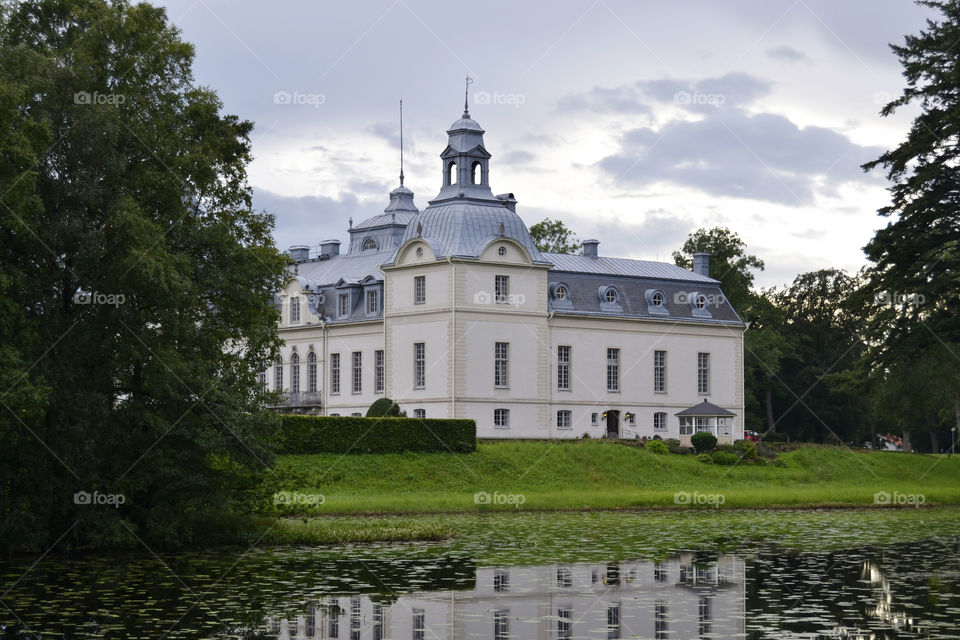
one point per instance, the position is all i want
(466, 94)
(401, 143)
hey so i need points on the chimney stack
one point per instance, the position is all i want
(590, 248)
(329, 248)
(701, 263)
(299, 252)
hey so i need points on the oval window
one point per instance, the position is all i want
(611, 295)
(561, 293)
(502, 251)
(419, 252)
(658, 299)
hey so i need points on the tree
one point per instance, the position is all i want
(766, 347)
(137, 281)
(553, 236)
(729, 262)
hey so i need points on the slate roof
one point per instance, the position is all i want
(351, 268)
(384, 219)
(705, 409)
(623, 267)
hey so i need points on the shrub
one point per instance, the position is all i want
(779, 461)
(705, 458)
(334, 434)
(384, 407)
(747, 448)
(703, 441)
(725, 458)
(766, 451)
(657, 447)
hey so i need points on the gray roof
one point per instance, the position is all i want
(623, 267)
(705, 409)
(464, 228)
(384, 219)
(351, 268)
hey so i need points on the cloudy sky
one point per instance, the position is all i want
(634, 122)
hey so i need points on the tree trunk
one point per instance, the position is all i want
(932, 430)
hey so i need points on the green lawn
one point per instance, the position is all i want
(602, 475)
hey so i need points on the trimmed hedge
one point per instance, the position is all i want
(347, 434)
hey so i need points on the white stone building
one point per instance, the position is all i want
(452, 311)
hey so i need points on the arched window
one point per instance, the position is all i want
(452, 173)
(312, 372)
(610, 295)
(295, 373)
(476, 173)
(369, 243)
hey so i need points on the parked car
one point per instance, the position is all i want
(752, 436)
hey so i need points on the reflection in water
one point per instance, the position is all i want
(689, 595)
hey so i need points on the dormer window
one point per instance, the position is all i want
(700, 301)
(658, 299)
(656, 302)
(610, 295)
(609, 299)
(476, 173)
(561, 293)
(452, 173)
(369, 244)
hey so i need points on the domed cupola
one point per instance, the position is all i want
(465, 162)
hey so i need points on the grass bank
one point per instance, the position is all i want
(587, 475)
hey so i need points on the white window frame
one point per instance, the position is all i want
(419, 365)
(501, 289)
(294, 309)
(660, 421)
(564, 419)
(343, 305)
(613, 370)
(703, 373)
(420, 413)
(419, 289)
(379, 369)
(564, 357)
(595, 418)
(294, 373)
(686, 426)
(660, 371)
(501, 365)
(501, 418)
(312, 372)
(334, 374)
(356, 362)
(373, 296)
(278, 375)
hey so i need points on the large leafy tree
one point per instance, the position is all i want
(553, 236)
(729, 262)
(136, 280)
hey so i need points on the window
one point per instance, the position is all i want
(594, 418)
(686, 426)
(659, 573)
(278, 376)
(295, 310)
(262, 379)
(344, 305)
(613, 621)
(613, 370)
(378, 369)
(377, 622)
(420, 413)
(419, 365)
(724, 426)
(501, 624)
(660, 620)
(452, 173)
(631, 418)
(660, 421)
(501, 365)
(311, 621)
(355, 618)
(658, 299)
(419, 289)
(563, 367)
(502, 251)
(295, 373)
(703, 373)
(610, 295)
(356, 415)
(419, 624)
(312, 372)
(357, 371)
(703, 613)
(700, 301)
(334, 373)
(333, 626)
(659, 371)
(419, 252)
(564, 419)
(476, 175)
(501, 418)
(369, 243)
(703, 425)
(561, 293)
(564, 623)
(501, 288)
(373, 301)
(564, 577)
(501, 581)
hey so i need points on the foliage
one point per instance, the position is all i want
(384, 407)
(135, 281)
(675, 447)
(320, 434)
(747, 447)
(705, 458)
(780, 461)
(553, 236)
(729, 262)
(725, 458)
(703, 441)
(658, 447)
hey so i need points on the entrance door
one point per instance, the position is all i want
(613, 423)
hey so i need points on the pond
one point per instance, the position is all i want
(556, 576)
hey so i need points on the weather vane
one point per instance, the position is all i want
(401, 143)
(466, 93)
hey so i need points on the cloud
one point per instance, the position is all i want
(310, 219)
(518, 156)
(603, 100)
(787, 54)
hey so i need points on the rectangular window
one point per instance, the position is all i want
(278, 376)
(262, 379)
(660, 628)
(564, 419)
(686, 426)
(501, 624)
(563, 368)
(501, 418)
(564, 577)
(501, 581)
(564, 623)
(594, 418)
(501, 365)
(419, 624)
(659, 371)
(659, 573)
(312, 372)
(703, 373)
(377, 622)
(501, 288)
(704, 616)
(344, 308)
(355, 620)
(420, 413)
(660, 421)
(613, 621)
(419, 289)
(378, 370)
(703, 425)
(419, 365)
(373, 302)
(357, 371)
(333, 624)
(724, 426)
(295, 310)
(334, 373)
(613, 370)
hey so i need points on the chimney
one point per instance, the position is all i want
(299, 252)
(508, 201)
(590, 248)
(329, 248)
(701, 263)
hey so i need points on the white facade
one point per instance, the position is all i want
(468, 319)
